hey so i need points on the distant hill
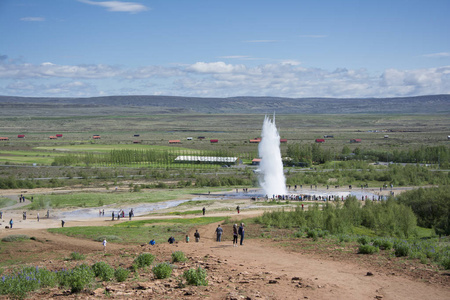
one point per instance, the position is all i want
(141, 105)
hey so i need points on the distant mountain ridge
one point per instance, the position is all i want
(138, 105)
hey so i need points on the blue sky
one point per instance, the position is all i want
(207, 48)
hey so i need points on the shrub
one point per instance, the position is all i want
(401, 249)
(103, 270)
(121, 274)
(108, 238)
(313, 234)
(368, 249)
(196, 276)
(178, 256)
(162, 270)
(363, 240)
(78, 278)
(76, 256)
(383, 244)
(144, 260)
(15, 238)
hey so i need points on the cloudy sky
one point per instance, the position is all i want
(208, 48)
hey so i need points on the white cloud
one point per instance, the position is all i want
(32, 19)
(215, 67)
(438, 55)
(218, 79)
(118, 6)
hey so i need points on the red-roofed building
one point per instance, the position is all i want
(256, 161)
(283, 140)
(59, 135)
(96, 137)
(4, 139)
(20, 136)
(355, 141)
(214, 141)
(52, 137)
(255, 140)
(174, 142)
(320, 140)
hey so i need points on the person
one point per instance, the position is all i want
(152, 242)
(241, 232)
(1, 215)
(103, 212)
(219, 232)
(104, 245)
(197, 236)
(238, 209)
(62, 223)
(130, 214)
(235, 235)
(113, 215)
(187, 238)
(171, 240)
(37, 216)
(24, 215)
(204, 210)
(11, 223)
(48, 213)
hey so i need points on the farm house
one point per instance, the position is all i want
(208, 160)
(355, 141)
(320, 140)
(52, 137)
(213, 141)
(96, 137)
(283, 141)
(256, 161)
(174, 142)
(256, 140)
(21, 136)
(4, 139)
(59, 135)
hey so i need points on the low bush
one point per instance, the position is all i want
(76, 256)
(15, 238)
(162, 270)
(108, 238)
(144, 260)
(178, 256)
(383, 244)
(196, 276)
(103, 270)
(368, 249)
(363, 240)
(401, 249)
(121, 274)
(78, 278)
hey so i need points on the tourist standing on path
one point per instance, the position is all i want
(235, 235)
(197, 236)
(62, 223)
(219, 232)
(241, 232)
(238, 209)
(104, 245)
(204, 210)
(37, 216)
(1, 215)
(11, 223)
(48, 213)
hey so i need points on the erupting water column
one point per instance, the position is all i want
(271, 177)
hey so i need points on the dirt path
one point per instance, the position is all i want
(260, 269)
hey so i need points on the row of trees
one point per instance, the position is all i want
(432, 207)
(315, 153)
(388, 218)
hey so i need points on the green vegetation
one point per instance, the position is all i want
(15, 238)
(4, 202)
(144, 260)
(431, 206)
(121, 274)
(103, 270)
(162, 270)
(76, 256)
(386, 218)
(178, 256)
(196, 276)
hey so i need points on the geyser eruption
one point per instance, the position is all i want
(271, 176)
